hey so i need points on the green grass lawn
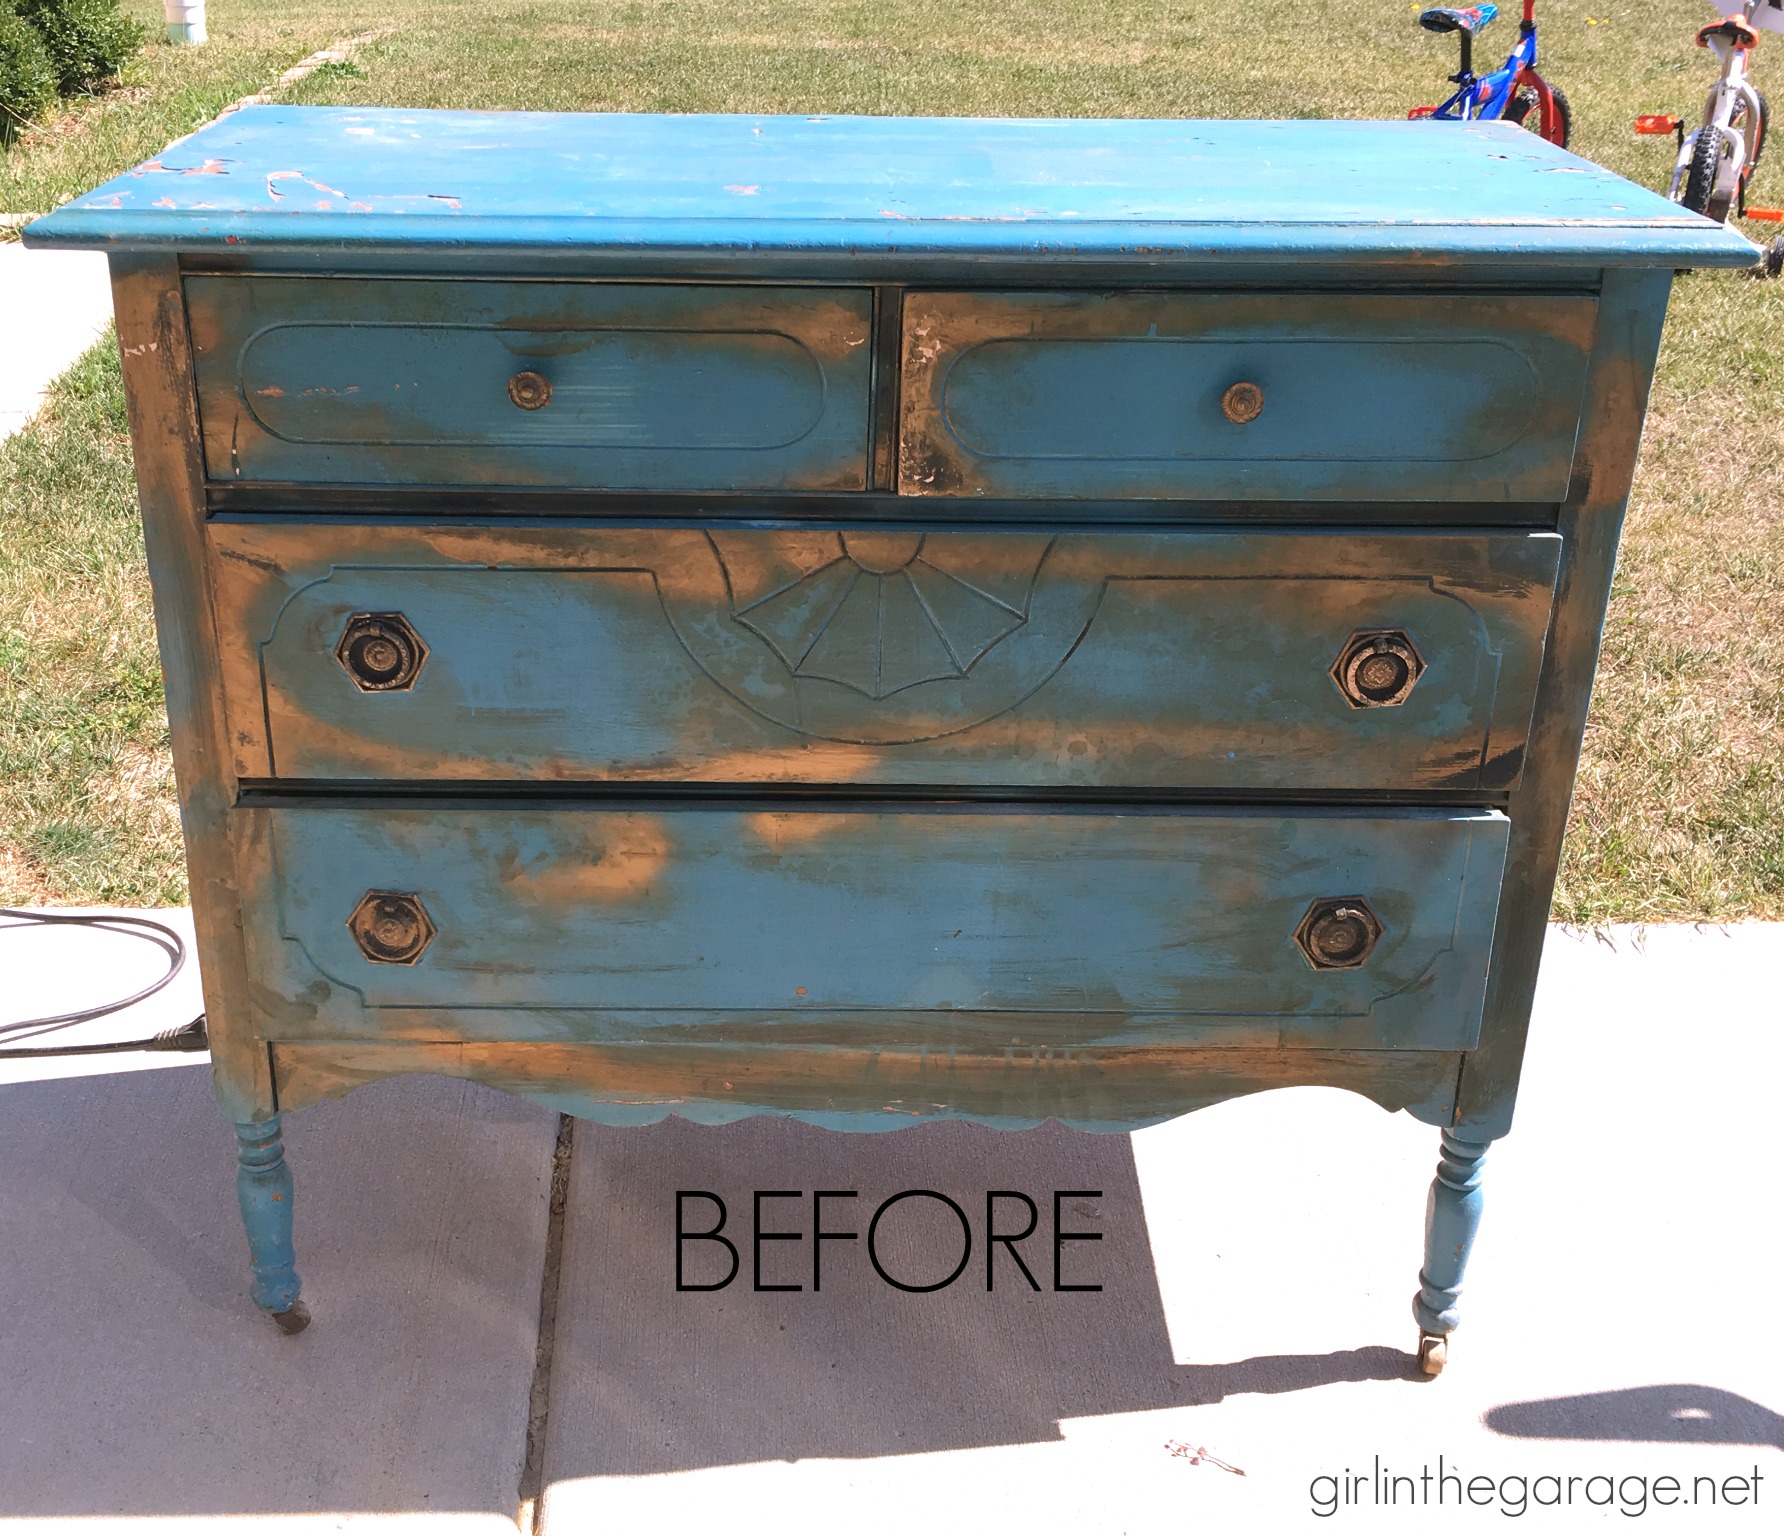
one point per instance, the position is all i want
(1680, 807)
(86, 788)
(165, 92)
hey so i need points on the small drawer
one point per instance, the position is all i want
(1205, 660)
(969, 926)
(1242, 396)
(599, 385)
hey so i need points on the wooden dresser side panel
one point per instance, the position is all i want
(164, 434)
(1632, 311)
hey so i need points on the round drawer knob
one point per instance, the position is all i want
(381, 652)
(530, 391)
(1242, 403)
(391, 927)
(1338, 932)
(1377, 668)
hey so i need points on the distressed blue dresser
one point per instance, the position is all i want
(873, 619)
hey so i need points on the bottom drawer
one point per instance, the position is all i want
(966, 926)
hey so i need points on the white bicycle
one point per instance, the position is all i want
(1717, 161)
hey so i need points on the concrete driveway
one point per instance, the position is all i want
(1245, 1364)
(57, 303)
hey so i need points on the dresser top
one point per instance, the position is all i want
(1163, 193)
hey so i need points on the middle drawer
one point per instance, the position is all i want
(1181, 660)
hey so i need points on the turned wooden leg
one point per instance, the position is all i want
(263, 1183)
(1452, 1217)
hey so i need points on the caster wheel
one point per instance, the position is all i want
(1433, 1353)
(1772, 263)
(294, 1321)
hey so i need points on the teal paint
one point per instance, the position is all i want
(264, 1187)
(652, 388)
(1452, 1220)
(1362, 396)
(884, 928)
(879, 595)
(1147, 661)
(1147, 193)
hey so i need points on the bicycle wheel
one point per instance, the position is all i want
(1710, 148)
(1521, 107)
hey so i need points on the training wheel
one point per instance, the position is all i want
(293, 1321)
(1433, 1352)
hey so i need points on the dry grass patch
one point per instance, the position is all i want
(86, 785)
(1679, 812)
(167, 92)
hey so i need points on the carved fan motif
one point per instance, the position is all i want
(884, 614)
(873, 636)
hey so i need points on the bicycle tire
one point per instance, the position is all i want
(1699, 194)
(1527, 101)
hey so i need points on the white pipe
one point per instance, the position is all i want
(185, 22)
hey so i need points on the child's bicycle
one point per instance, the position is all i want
(1513, 93)
(1717, 160)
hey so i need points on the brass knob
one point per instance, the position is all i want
(530, 391)
(1377, 668)
(391, 927)
(1338, 932)
(381, 652)
(1242, 403)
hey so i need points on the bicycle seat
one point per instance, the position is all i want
(1732, 28)
(1472, 20)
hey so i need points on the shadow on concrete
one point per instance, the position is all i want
(648, 1379)
(136, 1378)
(1677, 1413)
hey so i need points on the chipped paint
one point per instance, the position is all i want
(622, 858)
(953, 189)
(1065, 396)
(210, 167)
(619, 655)
(275, 193)
(786, 373)
(938, 925)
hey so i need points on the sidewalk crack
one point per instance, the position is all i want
(532, 1470)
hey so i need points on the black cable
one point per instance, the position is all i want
(188, 1037)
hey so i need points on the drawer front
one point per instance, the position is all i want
(1159, 661)
(965, 926)
(633, 386)
(1352, 398)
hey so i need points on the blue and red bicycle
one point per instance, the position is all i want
(1513, 93)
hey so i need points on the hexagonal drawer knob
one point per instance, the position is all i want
(1377, 668)
(381, 652)
(1338, 933)
(391, 927)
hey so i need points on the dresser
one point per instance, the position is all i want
(874, 619)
